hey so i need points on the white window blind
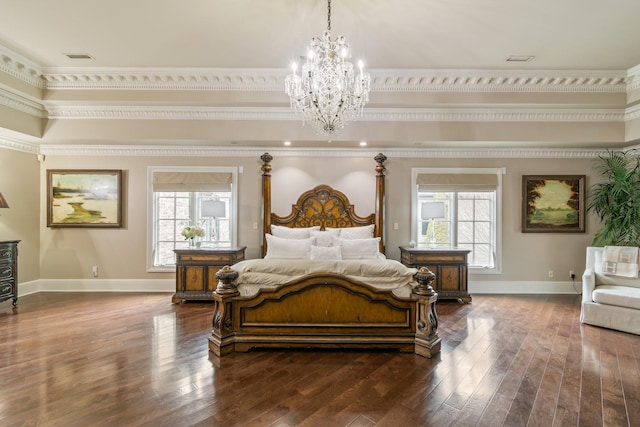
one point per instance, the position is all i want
(191, 181)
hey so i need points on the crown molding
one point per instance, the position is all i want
(20, 67)
(633, 78)
(18, 145)
(191, 151)
(272, 80)
(19, 103)
(388, 80)
(454, 114)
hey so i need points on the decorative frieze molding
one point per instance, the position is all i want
(20, 67)
(498, 81)
(272, 80)
(570, 114)
(206, 151)
(19, 103)
(391, 80)
(215, 79)
(18, 145)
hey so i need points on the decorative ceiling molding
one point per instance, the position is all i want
(17, 102)
(633, 78)
(20, 67)
(454, 114)
(16, 144)
(498, 81)
(272, 80)
(632, 113)
(176, 151)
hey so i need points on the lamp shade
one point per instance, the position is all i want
(432, 210)
(213, 208)
(3, 202)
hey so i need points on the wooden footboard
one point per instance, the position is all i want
(324, 311)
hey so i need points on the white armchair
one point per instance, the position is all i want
(609, 301)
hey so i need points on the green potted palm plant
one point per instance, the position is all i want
(616, 199)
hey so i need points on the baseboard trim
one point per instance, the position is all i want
(481, 287)
(169, 285)
(96, 285)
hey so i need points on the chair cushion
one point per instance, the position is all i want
(622, 296)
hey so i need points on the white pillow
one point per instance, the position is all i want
(365, 232)
(323, 238)
(291, 233)
(279, 248)
(325, 253)
(358, 248)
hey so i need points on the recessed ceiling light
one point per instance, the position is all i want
(363, 143)
(78, 56)
(287, 143)
(520, 58)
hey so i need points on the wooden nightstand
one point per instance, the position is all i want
(9, 271)
(448, 264)
(196, 271)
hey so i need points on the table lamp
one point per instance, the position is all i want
(431, 211)
(213, 209)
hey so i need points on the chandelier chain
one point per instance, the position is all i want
(328, 15)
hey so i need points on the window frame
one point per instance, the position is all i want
(233, 207)
(499, 172)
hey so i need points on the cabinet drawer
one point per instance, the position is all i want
(5, 288)
(194, 278)
(6, 253)
(6, 271)
(450, 278)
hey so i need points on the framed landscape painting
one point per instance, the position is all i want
(553, 203)
(84, 198)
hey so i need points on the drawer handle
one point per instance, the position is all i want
(6, 271)
(6, 254)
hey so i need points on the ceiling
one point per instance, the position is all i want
(394, 38)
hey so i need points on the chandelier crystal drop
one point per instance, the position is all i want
(328, 91)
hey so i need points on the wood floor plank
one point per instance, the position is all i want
(103, 359)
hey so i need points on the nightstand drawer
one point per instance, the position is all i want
(6, 272)
(6, 288)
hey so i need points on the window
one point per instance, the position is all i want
(470, 218)
(193, 196)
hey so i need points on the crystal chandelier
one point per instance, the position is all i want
(328, 92)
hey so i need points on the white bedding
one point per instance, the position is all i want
(256, 274)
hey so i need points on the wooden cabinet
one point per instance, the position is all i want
(196, 271)
(9, 271)
(449, 266)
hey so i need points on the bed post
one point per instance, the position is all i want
(221, 340)
(379, 209)
(266, 199)
(427, 341)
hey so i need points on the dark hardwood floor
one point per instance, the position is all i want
(101, 359)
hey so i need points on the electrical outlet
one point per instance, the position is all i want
(572, 274)
(550, 273)
(94, 271)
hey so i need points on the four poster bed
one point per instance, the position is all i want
(315, 289)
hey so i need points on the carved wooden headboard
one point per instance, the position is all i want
(322, 206)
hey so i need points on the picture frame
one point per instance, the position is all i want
(553, 203)
(90, 198)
